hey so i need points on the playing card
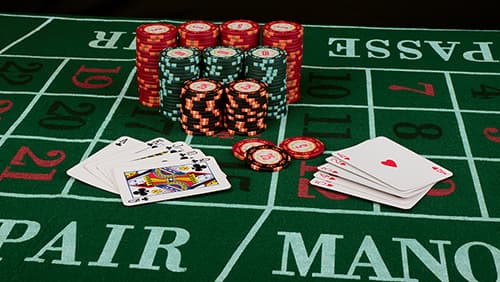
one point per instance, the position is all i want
(159, 150)
(341, 169)
(393, 164)
(140, 184)
(168, 158)
(158, 142)
(163, 159)
(154, 148)
(117, 147)
(367, 193)
(180, 156)
(114, 157)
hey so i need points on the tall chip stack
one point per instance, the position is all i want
(288, 36)
(151, 39)
(198, 34)
(268, 64)
(202, 107)
(246, 107)
(209, 77)
(241, 33)
(222, 63)
(176, 65)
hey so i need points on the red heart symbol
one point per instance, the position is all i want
(389, 163)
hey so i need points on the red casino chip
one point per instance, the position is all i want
(151, 38)
(240, 148)
(240, 33)
(156, 31)
(198, 34)
(287, 35)
(303, 147)
(267, 158)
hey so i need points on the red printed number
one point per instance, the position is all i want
(304, 186)
(440, 189)
(20, 160)
(5, 105)
(491, 130)
(428, 88)
(94, 81)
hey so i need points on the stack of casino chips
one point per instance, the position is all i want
(246, 107)
(176, 65)
(223, 63)
(289, 37)
(243, 34)
(268, 64)
(150, 40)
(198, 34)
(202, 107)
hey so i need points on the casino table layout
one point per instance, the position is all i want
(68, 88)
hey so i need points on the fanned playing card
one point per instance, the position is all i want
(355, 189)
(117, 147)
(141, 184)
(343, 170)
(393, 164)
(111, 157)
(158, 148)
(382, 171)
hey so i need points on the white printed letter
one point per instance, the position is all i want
(325, 242)
(481, 55)
(6, 226)
(173, 261)
(67, 248)
(101, 42)
(347, 49)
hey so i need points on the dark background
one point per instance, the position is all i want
(479, 14)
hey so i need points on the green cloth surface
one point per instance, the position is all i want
(436, 92)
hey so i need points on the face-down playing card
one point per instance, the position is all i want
(142, 184)
(393, 164)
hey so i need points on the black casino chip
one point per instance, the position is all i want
(267, 158)
(201, 107)
(246, 107)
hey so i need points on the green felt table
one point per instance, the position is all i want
(68, 88)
